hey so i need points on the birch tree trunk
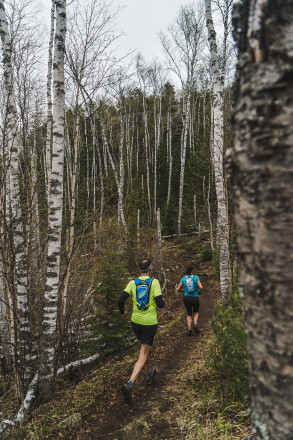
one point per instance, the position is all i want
(96, 148)
(118, 179)
(157, 124)
(138, 229)
(262, 170)
(160, 248)
(186, 109)
(49, 101)
(4, 328)
(147, 153)
(48, 337)
(72, 205)
(14, 209)
(217, 103)
(169, 150)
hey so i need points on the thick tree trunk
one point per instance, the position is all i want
(48, 337)
(263, 193)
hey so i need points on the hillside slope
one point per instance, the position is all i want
(165, 410)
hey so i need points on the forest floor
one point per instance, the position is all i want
(175, 407)
(152, 412)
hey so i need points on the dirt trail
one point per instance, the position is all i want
(148, 417)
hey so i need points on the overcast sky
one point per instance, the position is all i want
(142, 20)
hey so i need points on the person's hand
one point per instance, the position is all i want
(124, 314)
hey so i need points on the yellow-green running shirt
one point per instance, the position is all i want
(149, 316)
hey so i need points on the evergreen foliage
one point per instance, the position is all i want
(206, 253)
(107, 323)
(228, 355)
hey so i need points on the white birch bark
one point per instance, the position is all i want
(157, 124)
(121, 173)
(96, 148)
(118, 179)
(72, 206)
(138, 229)
(48, 337)
(94, 180)
(186, 109)
(194, 212)
(169, 149)
(217, 103)
(210, 214)
(79, 363)
(49, 101)
(147, 154)
(160, 247)
(87, 168)
(4, 328)
(199, 231)
(15, 220)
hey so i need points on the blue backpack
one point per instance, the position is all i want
(143, 288)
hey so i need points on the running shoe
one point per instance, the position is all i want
(196, 329)
(151, 376)
(189, 333)
(127, 390)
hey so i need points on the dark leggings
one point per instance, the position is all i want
(191, 304)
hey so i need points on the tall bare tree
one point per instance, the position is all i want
(14, 213)
(48, 337)
(182, 46)
(217, 155)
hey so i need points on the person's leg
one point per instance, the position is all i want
(143, 356)
(196, 315)
(188, 308)
(189, 321)
(147, 364)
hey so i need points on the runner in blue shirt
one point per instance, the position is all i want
(191, 284)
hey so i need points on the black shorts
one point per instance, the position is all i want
(145, 333)
(191, 304)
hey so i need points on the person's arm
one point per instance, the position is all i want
(179, 286)
(158, 293)
(123, 297)
(199, 284)
(159, 301)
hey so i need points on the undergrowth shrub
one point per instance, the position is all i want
(216, 262)
(206, 253)
(228, 355)
(112, 332)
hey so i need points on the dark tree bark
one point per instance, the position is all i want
(262, 166)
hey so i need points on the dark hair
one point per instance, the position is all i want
(145, 265)
(189, 269)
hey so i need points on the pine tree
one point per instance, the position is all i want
(110, 282)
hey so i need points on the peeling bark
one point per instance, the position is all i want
(262, 167)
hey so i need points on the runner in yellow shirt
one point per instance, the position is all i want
(146, 297)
